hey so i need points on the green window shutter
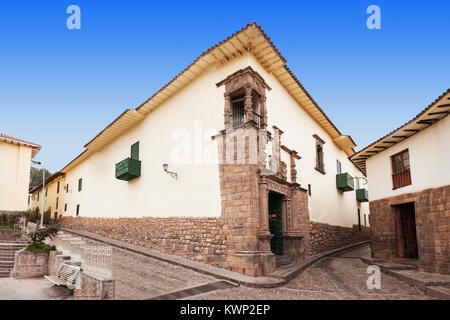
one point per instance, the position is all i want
(80, 184)
(338, 167)
(135, 151)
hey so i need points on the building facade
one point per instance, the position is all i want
(409, 175)
(15, 164)
(53, 194)
(233, 159)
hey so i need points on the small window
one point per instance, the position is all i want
(401, 174)
(57, 203)
(46, 191)
(57, 187)
(320, 166)
(309, 189)
(237, 109)
(338, 167)
(80, 184)
(65, 207)
(365, 222)
(78, 209)
(29, 199)
(38, 196)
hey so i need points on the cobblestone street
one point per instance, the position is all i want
(335, 278)
(140, 277)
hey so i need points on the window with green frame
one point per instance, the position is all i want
(338, 167)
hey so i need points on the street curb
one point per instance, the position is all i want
(289, 272)
(276, 279)
(194, 290)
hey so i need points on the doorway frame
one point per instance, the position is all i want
(400, 237)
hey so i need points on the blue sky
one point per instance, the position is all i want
(60, 87)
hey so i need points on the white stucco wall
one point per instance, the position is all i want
(327, 203)
(15, 176)
(197, 193)
(429, 156)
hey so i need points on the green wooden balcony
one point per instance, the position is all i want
(128, 169)
(344, 182)
(362, 195)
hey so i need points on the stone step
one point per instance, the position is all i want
(387, 265)
(72, 238)
(9, 250)
(7, 253)
(412, 262)
(13, 241)
(438, 292)
(12, 245)
(6, 264)
(6, 258)
(4, 272)
(421, 279)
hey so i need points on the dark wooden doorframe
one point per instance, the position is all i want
(359, 219)
(276, 222)
(406, 234)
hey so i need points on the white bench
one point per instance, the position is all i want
(66, 275)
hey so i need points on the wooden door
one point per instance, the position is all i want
(406, 231)
(276, 223)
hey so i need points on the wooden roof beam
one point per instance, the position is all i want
(427, 121)
(411, 130)
(438, 112)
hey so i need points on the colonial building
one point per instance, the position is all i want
(15, 164)
(409, 175)
(53, 198)
(231, 163)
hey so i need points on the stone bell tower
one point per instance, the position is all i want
(245, 180)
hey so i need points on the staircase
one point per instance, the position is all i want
(8, 245)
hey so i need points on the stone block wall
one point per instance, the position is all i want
(432, 216)
(30, 264)
(87, 287)
(239, 202)
(93, 288)
(198, 239)
(324, 237)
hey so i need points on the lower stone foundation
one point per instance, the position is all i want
(324, 237)
(30, 264)
(198, 239)
(432, 219)
(203, 239)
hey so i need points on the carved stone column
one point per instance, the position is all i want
(293, 170)
(248, 104)
(263, 207)
(285, 218)
(227, 109)
(262, 104)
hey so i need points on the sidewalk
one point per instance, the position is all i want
(435, 285)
